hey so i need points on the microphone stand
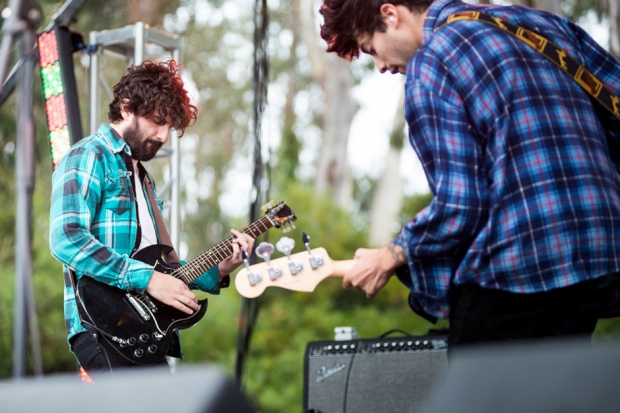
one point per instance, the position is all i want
(24, 16)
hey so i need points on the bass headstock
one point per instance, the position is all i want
(280, 214)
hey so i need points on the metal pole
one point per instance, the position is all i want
(250, 307)
(93, 90)
(138, 56)
(24, 175)
(175, 178)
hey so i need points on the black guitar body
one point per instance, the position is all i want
(137, 326)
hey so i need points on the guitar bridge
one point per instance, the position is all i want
(149, 303)
(138, 306)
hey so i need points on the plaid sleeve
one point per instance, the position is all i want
(209, 281)
(452, 157)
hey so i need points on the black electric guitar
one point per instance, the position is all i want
(138, 326)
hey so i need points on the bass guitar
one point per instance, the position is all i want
(138, 326)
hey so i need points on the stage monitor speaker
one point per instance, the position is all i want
(546, 377)
(192, 389)
(381, 375)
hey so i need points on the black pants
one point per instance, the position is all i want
(481, 315)
(98, 361)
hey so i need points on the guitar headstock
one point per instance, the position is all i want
(295, 273)
(298, 272)
(280, 215)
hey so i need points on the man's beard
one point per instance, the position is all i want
(142, 149)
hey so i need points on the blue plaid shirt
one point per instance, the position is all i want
(526, 197)
(94, 220)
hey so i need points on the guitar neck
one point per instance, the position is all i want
(210, 258)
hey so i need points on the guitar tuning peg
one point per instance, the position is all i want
(253, 277)
(267, 206)
(265, 250)
(285, 246)
(288, 227)
(315, 260)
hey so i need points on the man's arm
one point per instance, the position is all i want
(373, 268)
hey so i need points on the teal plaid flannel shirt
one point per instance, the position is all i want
(94, 221)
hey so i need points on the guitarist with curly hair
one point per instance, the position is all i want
(104, 214)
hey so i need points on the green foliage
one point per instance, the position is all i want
(47, 287)
(413, 204)
(288, 155)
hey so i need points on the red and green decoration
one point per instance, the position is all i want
(59, 91)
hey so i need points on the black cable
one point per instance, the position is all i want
(250, 307)
(346, 383)
(395, 330)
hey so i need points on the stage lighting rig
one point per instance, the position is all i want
(56, 47)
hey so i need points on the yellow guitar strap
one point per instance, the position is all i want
(590, 83)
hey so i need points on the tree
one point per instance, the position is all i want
(388, 197)
(334, 75)
(614, 27)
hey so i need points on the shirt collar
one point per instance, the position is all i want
(112, 139)
(439, 10)
(435, 15)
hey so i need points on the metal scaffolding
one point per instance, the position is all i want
(134, 44)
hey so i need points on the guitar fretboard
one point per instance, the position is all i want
(210, 258)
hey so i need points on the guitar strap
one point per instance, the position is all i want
(590, 83)
(165, 237)
(159, 223)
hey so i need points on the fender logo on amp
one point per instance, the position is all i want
(324, 373)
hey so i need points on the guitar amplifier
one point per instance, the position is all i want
(383, 375)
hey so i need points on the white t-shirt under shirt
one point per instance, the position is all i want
(149, 236)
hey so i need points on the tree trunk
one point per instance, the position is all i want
(552, 6)
(333, 174)
(614, 27)
(527, 3)
(388, 197)
(147, 11)
(288, 152)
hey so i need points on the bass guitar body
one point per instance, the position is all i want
(137, 326)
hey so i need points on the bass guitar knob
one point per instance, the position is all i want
(131, 341)
(138, 352)
(152, 348)
(144, 338)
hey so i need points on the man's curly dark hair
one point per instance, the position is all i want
(345, 20)
(154, 91)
